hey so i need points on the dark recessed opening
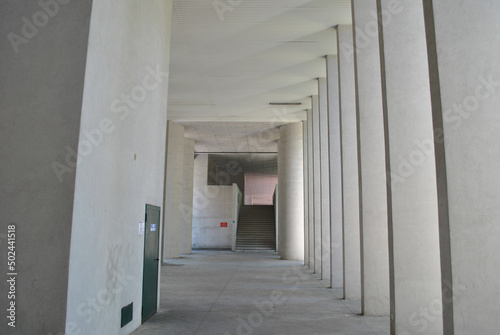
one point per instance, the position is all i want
(127, 314)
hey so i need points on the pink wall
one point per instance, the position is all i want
(259, 189)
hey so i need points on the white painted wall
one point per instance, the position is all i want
(211, 206)
(125, 169)
(41, 89)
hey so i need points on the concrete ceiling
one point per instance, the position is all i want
(257, 163)
(231, 58)
(232, 137)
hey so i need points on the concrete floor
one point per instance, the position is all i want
(227, 293)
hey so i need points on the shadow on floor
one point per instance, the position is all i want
(226, 293)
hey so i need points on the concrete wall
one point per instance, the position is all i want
(125, 99)
(41, 89)
(259, 188)
(211, 206)
(226, 175)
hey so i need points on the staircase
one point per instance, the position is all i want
(256, 229)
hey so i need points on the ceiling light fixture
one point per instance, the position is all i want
(285, 103)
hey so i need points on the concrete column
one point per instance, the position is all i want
(317, 186)
(121, 161)
(42, 80)
(237, 202)
(173, 191)
(337, 250)
(310, 185)
(463, 49)
(325, 180)
(372, 174)
(350, 189)
(276, 217)
(187, 197)
(306, 194)
(414, 255)
(291, 186)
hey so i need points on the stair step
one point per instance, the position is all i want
(256, 229)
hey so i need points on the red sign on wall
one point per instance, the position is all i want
(223, 224)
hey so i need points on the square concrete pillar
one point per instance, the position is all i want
(372, 173)
(306, 193)
(325, 181)
(310, 184)
(318, 250)
(414, 252)
(121, 161)
(173, 191)
(42, 82)
(463, 48)
(187, 197)
(335, 159)
(349, 148)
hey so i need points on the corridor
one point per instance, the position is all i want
(227, 293)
